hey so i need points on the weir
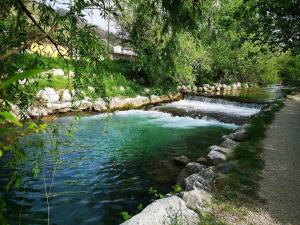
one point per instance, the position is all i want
(113, 159)
(212, 108)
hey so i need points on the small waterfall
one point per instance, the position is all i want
(223, 101)
(215, 108)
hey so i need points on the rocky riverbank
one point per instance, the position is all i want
(50, 101)
(197, 180)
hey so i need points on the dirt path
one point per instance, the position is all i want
(280, 185)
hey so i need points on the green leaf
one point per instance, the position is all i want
(11, 118)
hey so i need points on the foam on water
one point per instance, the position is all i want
(230, 109)
(167, 120)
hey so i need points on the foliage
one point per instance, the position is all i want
(289, 68)
(275, 23)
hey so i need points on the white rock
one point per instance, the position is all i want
(233, 86)
(66, 96)
(83, 104)
(197, 200)
(216, 157)
(238, 85)
(60, 107)
(48, 95)
(37, 111)
(167, 211)
(100, 105)
(155, 99)
(56, 72)
(225, 151)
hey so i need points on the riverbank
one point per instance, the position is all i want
(222, 188)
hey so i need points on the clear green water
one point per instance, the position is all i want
(109, 166)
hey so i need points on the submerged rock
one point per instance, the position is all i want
(181, 160)
(167, 211)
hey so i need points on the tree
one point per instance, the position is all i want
(275, 23)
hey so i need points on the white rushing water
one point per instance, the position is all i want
(229, 109)
(167, 120)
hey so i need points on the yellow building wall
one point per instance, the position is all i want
(48, 50)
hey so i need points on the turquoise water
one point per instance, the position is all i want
(108, 166)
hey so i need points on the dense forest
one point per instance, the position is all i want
(177, 42)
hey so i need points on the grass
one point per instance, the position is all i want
(241, 184)
(117, 77)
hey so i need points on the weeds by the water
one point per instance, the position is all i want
(241, 184)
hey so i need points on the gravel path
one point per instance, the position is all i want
(280, 185)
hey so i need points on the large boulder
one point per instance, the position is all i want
(188, 170)
(197, 200)
(48, 95)
(167, 211)
(216, 157)
(238, 85)
(228, 143)
(201, 180)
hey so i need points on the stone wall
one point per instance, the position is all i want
(50, 102)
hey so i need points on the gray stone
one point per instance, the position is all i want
(181, 160)
(202, 161)
(59, 107)
(225, 151)
(167, 211)
(197, 200)
(188, 170)
(238, 135)
(201, 180)
(216, 157)
(228, 143)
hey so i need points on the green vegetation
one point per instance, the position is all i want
(177, 42)
(240, 185)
